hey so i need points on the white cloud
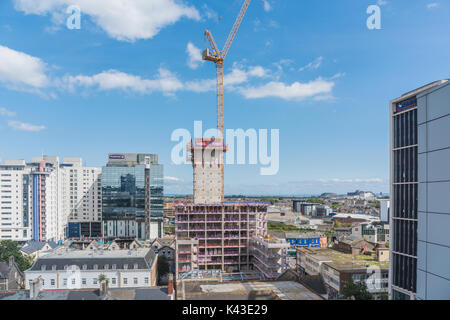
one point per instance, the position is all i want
(194, 56)
(166, 82)
(294, 91)
(6, 112)
(313, 65)
(124, 20)
(382, 2)
(237, 76)
(172, 179)
(21, 71)
(25, 126)
(356, 180)
(267, 6)
(432, 5)
(209, 13)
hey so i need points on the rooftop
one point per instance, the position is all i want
(60, 259)
(255, 290)
(63, 253)
(343, 261)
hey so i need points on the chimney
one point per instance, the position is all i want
(11, 262)
(170, 287)
(35, 288)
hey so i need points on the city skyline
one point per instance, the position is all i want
(326, 86)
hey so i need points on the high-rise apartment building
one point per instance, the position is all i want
(15, 208)
(83, 191)
(32, 201)
(132, 196)
(420, 185)
(41, 198)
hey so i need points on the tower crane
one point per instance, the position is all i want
(218, 57)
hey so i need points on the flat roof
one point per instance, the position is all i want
(253, 290)
(63, 253)
(343, 261)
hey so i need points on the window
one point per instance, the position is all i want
(94, 281)
(106, 266)
(125, 266)
(146, 281)
(84, 266)
(65, 282)
(125, 280)
(52, 282)
(73, 281)
(95, 266)
(83, 281)
(135, 265)
(113, 280)
(135, 280)
(43, 267)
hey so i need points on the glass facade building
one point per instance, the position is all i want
(420, 209)
(132, 195)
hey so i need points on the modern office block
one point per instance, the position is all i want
(420, 188)
(132, 196)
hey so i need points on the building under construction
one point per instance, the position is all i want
(214, 235)
(207, 157)
(227, 236)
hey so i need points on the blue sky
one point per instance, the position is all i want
(131, 75)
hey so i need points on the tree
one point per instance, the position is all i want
(163, 266)
(9, 248)
(102, 278)
(358, 291)
(316, 200)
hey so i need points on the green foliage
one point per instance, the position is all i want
(383, 296)
(281, 227)
(315, 200)
(272, 201)
(9, 248)
(102, 278)
(357, 291)
(337, 224)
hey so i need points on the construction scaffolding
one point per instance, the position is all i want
(231, 237)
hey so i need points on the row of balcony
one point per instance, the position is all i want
(201, 237)
(210, 228)
(218, 213)
(217, 220)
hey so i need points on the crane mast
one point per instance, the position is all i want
(218, 57)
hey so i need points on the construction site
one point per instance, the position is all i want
(226, 241)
